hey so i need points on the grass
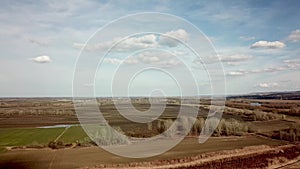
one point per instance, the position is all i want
(2, 149)
(28, 136)
(43, 136)
(40, 136)
(103, 136)
(74, 134)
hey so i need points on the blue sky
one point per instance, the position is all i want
(257, 41)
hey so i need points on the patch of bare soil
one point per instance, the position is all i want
(249, 157)
(292, 165)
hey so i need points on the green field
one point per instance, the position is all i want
(39, 136)
(74, 134)
(28, 136)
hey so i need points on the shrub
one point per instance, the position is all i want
(294, 111)
(211, 125)
(107, 136)
(226, 127)
(35, 144)
(197, 127)
(56, 144)
(183, 125)
(259, 115)
(234, 127)
(171, 130)
(291, 134)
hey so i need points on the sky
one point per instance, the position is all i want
(44, 44)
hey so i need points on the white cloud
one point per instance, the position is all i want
(78, 45)
(154, 58)
(233, 63)
(268, 45)
(229, 59)
(267, 85)
(247, 38)
(173, 38)
(288, 65)
(116, 61)
(88, 85)
(179, 53)
(294, 36)
(140, 42)
(158, 58)
(293, 63)
(41, 59)
(237, 73)
(292, 60)
(271, 69)
(134, 43)
(122, 44)
(235, 58)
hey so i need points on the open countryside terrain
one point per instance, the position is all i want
(45, 133)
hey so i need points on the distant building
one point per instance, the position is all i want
(255, 104)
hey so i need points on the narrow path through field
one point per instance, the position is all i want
(52, 160)
(62, 133)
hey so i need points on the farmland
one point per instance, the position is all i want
(90, 156)
(45, 132)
